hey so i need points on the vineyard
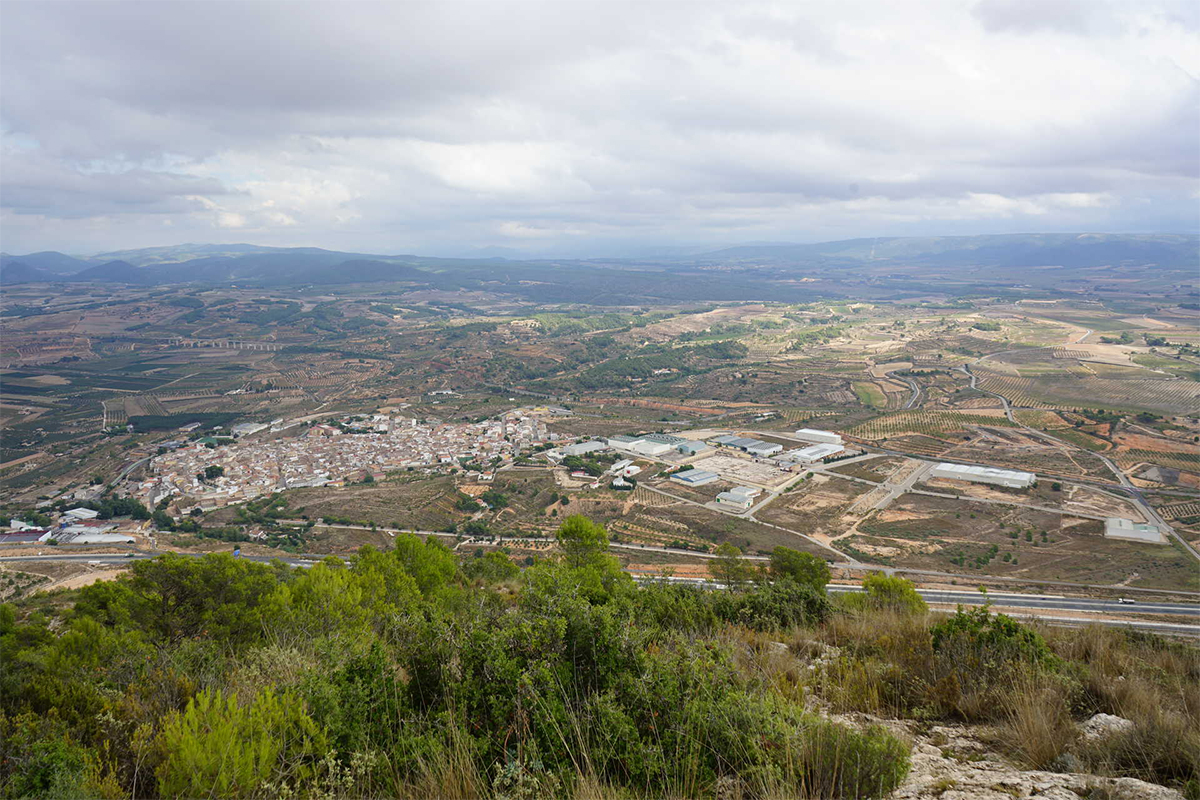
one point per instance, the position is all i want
(1081, 439)
(1180, 510)
(1061, 391)
(1185, 461)
(1040, 420)
(928, 423)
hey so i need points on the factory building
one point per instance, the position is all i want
(664, 438)
(814, 453)
(695, 477)
(1011, 479)
(755, 447)
(1119, 528)
(646, 447)
(651, 444)
(583, 448)
(741, 497)
(818, 437)
(691, 448)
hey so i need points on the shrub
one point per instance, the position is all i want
(217, 748)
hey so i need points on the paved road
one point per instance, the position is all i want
(1055, 602)
(912, 385)
(1035, 605)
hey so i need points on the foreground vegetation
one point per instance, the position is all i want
(409, 674)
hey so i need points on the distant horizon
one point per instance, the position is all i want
(697, 248)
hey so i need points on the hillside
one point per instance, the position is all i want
(410, 673)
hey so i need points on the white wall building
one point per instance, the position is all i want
(818, 437)
(814, 453)
(1119, 528)
(645, 447)
(741, 497)
(583, 448)
(1008, 478)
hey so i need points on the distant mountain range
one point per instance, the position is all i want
(988, 258)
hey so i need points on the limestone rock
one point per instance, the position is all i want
(1104, 725)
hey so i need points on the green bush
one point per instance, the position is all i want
(218, 748)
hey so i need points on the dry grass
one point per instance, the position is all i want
(1039, 727)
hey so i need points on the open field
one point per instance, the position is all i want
(938, 533)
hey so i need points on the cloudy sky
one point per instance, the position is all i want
(578, 127)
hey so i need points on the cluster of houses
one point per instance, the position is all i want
(335, 454)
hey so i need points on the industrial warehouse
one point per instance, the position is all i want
(1010, 479)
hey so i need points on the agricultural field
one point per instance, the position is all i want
(925, 423)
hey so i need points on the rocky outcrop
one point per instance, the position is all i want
(950, 763)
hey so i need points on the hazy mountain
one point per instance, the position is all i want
(13, 272)
(1005, 250)
(48, 260)
(115, 272)
(361, 271)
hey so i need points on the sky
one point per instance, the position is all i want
(591, 128)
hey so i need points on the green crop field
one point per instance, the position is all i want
(929, 423)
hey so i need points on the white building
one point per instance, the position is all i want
(739, 496)
(817, 452)
(818, 437)
(646, 447)
(1119, 528)
(81, 513)
(1008, 478)
(583, 448)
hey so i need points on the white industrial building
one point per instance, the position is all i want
(648, 447)
(695, 477)
(1120, 528)
(818, 437)
(814, 453)
(81, 513)
(1011, 479)
(739, 496)
(583, 448)
(691, 448)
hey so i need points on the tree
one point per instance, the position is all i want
(803, 568)
(584, 543)
(885, 592)
(728, 567)
(219, 748)
(213, 471)
(495, 499)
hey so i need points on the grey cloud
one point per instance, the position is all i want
(421, 125)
